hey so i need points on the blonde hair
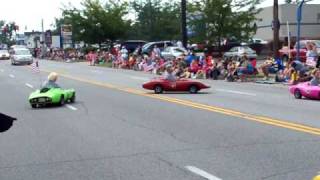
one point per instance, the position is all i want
(53, 76)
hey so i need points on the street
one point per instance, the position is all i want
(116, 130)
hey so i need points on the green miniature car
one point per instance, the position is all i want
(47, 96)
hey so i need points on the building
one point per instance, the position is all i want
(310, 24)
(20, 39)
(32, 39)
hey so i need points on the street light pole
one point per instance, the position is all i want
(276, 27)
(299, 17)
(184, 22)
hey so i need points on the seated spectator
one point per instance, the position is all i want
(194, 66)
(185, 74)
(245, 68)
(231, 71)
(299, 67)
(271, 66)
(191, 57)
(285, 74)
(132, 61)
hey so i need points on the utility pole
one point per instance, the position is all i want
(43, 49)
(184, 22)
(276, 27)
(299, 18)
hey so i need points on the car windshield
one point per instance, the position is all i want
(246, 49)
(22, 52)
(179, 50)
(146, 46)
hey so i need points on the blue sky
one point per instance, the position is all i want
(28, 13)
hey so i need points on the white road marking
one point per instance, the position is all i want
(71, 107)
(236, 92)
(97, 71)
(29, 85)
(11, 75)
(139, 78)
(202, 173)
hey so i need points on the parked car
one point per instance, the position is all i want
(131, 45)
(284, 51)
(173, 52)
(21, 56)
(147, 48)
(4, 54)
(238, 51)
(257, 41)
(305, 90)
(158, 85)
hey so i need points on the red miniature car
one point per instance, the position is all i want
(161, 84)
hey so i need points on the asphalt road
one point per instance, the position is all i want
(116, 130)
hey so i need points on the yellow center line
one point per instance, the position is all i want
(251, 117)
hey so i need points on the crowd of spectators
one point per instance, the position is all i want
(201, 66)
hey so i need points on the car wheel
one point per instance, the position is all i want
(193, 89)
(158, 89)
(297, 94)
(34, 105)
(73, 98)
(62, 101)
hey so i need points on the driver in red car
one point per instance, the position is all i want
(170, 76)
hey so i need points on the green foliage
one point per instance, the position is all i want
(156, 20)
(7, 32)
(96, 23)
(216, 19)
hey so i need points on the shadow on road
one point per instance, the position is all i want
(6, 122)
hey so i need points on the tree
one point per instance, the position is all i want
(276, 27)
(156, 20)
(96, 23)
(7, 32)
(220, 19)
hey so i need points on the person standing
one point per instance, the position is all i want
(312, 54)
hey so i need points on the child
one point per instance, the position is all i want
(51, 82)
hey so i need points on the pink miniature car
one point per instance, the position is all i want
(305, 90)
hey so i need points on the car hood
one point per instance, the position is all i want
(4, 54)
(22, 56)
(37, 94)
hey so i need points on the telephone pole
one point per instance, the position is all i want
(276, 27)
(184, 22)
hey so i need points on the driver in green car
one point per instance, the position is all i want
(51, 82)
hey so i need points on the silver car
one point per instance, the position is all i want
(173, 52)
(4, 54)
(21, 56)
(238, 51)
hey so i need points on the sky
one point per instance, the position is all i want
(28, 13)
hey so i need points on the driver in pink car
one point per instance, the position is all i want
(315, 81)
